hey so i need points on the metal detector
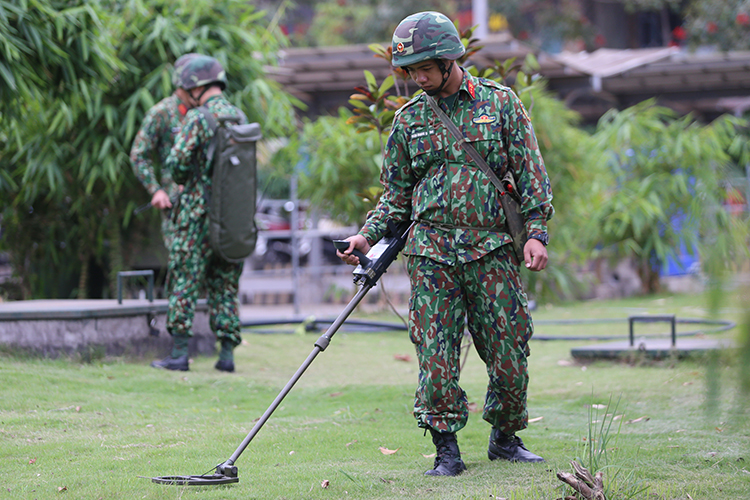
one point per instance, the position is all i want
(366, 274)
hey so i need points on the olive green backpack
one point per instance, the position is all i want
(231, 212)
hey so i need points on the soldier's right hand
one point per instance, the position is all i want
(358, 242)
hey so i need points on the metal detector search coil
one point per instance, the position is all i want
(202, 480)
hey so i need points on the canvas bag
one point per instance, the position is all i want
(231, 207)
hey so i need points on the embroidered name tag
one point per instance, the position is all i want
(423, 133)
(484, 119)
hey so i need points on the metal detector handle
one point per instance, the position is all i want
(148, 205)
(342, 245)
(383, 253)
(228, 468)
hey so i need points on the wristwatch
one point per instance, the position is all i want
(543, 237)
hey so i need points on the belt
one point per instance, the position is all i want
(448, 227)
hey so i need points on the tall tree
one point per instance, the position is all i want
(81, 79)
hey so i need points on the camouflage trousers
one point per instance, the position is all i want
(194, 266)
(167, 228)
(487, 297)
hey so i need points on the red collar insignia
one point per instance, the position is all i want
(471, 88)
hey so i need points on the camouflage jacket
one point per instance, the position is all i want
(187, 160)
(152, 145)
(427, 177)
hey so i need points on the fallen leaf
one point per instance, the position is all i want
(474, 408)
(62, 488)
(402, 357)
(639, 419)
(291, 452)
(599, 407)
(335, 394)
(673, 446)
(350, 443)
(537, 419)
(325, 483)
(32, 461)
(719, 429)
(431, 455)
(78, 408)
(712, 453)
(687, 383)
(387, 481)
(386, 451)
(564, 362)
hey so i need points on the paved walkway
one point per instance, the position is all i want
(282, 312)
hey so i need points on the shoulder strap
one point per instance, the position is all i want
(212, 125)
(507, 184)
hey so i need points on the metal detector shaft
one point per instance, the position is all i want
(320, 345)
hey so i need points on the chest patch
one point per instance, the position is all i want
(484, 118)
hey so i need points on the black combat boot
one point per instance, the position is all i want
(170, 363)
(178, 360)
(225, 365)
(509, 447)
(226, 357)
(448, 458)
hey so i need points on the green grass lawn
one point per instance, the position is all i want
(72, 430)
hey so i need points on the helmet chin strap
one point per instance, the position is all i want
(446, 72)
(198, 99)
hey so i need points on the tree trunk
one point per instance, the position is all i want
(650, 277)
(83, 278)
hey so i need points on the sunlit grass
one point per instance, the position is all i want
(89, 430)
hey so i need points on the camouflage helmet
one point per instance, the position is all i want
(202, 70)
(423, 36)
(179, 65)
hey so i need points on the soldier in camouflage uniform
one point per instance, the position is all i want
(462, 269)
(192, 262)
(152, 144)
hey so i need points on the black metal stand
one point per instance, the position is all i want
(149, 273)
(669, 318)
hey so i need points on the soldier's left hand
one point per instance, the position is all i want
(535, 255)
